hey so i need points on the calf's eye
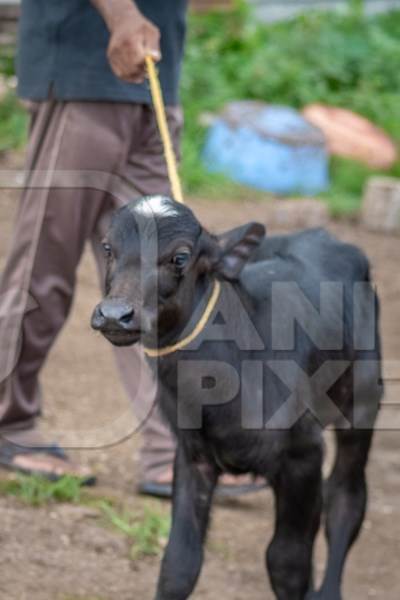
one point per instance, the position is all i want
(180, 259)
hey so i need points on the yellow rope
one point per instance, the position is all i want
(157, 352)
(159, 107)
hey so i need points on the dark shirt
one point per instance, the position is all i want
(63, 45)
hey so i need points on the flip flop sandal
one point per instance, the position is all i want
(236, 490)
(9, 451)
(155, 489)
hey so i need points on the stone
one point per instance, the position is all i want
(381, 205)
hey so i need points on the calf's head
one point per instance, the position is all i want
(159, 260)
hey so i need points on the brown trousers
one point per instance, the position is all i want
(120, 142)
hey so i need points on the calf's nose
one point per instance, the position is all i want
(114, 313)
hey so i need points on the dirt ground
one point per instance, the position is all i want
(61, 552)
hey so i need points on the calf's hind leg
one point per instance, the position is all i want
(345, 503)
(298, 500)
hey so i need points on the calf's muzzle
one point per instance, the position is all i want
(115, 319)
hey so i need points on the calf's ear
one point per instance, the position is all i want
(236, 248)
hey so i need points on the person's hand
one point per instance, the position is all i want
(132, 39)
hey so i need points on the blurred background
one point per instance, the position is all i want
(295, 53)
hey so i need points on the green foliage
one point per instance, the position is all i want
(37, 491)
(349, 61)
(149, 531)
(7, 68)
(13, 117)
(13, 123)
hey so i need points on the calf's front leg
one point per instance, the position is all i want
(194, 485)
(298, 504)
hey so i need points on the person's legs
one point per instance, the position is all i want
(52, 225)
(15, 298)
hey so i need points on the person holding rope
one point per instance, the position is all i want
(82, 67)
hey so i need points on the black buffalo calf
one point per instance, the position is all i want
(258, 344)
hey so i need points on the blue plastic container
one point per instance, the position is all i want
(272, 148)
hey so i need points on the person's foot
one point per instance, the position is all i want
(159, 487)
(232, 486)
(229, 486)
(50, 462)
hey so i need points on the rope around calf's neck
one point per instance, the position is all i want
(158, 352)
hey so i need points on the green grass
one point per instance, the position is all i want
(38, 491)
(148, 531)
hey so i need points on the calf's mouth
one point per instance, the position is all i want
(121, 338)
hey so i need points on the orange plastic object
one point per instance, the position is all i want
(352, 136)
